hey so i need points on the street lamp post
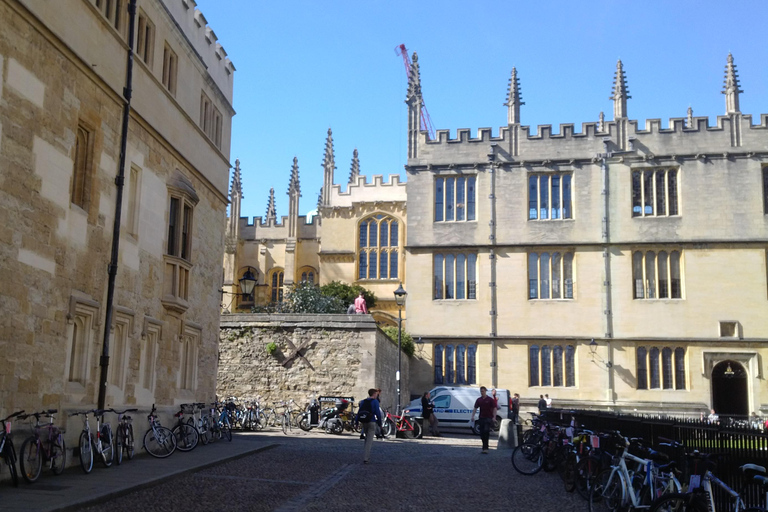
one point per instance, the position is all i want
(400, 294)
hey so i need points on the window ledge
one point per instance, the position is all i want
(174, 304)
(533, 301)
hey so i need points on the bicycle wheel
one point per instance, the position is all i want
(205, 426)
(304, 422)
(31, 461)
(107, 447)
(226, 430)
(186, 437)
(58, 456)
(608, 491)
(286, 424)
(414, 430)
(334, 426)
(528, 459)
(568, 472)
(85, 452)
(128, 443)
(159, 442)
(10, 459)
(119, 445)
(586, 471)
(389, 428)
(680, 502)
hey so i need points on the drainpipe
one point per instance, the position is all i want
(119, 180)
(492, 168)
(606, 239)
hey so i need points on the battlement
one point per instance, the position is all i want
(361, 191)
(692, 135)
(203, 39)
(260, 230)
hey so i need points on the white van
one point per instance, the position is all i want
(453, 406)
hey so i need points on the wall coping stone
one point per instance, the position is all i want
(357, 322)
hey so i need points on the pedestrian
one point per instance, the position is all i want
(368, 416)
(713, 417)
(380, 428)
(515, 408)
(548, 400)
(428, 413)
(487, 407)
(542, 404)
(360, 307)
(495, 398)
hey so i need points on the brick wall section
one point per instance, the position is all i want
(345, 355)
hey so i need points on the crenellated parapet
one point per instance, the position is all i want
(359, 192)
(262, 229)
(203, 39)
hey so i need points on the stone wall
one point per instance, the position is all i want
(340, 355)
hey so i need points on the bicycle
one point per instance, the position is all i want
(186, 435)
(403, 423)
(101, 443)
(700, 498)
(159, 441)
(287, 421)
(7, 451)
(124, 436)
(620, 487)
(35, 451)
(221, 426)
(201, 424)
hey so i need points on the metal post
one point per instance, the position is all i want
(399, 352)
(119, 180)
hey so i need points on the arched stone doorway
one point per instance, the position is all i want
(730, 396)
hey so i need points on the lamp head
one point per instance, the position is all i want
(247, 282)
(400, 294)
(593, 346)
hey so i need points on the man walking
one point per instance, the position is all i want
(368, 415)
(487, 407)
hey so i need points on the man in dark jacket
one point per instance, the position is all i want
(515, 408)
(370, 406)
(542, 404)
(428, 413)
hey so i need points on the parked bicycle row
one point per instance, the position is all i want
(334, 415)
(612, 472)
(46, 447)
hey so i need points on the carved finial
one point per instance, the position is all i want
(320, 199)
(271, 212)
(354, 170)
(514, 99)
(329, 166)
(601, 122)
(237, 186)
(731, 87)
(620, 93)
(293, 185)
(689, 121)
(414, 80)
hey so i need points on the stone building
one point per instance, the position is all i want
(63, 67)
(620, 266)
(356, 236)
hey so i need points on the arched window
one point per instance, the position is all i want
(449, 364)
(438, 364)
(308, 274)
(460, 364)
(679, 368)
(379, 248)
(653, 366)
(276, 285)
(666, 367)
(642, 368)
(546, 366)
(533, 365)
(472, 364)
(557, 365)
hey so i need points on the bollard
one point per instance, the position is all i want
(507, 435)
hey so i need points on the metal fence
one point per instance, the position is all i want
(732, 443)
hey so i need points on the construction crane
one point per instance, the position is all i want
(425, 121)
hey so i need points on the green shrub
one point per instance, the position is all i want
(406, 340)
(347, 293)
(304, 297)
(271, 347)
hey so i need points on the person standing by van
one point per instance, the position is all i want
(542, 404)
(428, 413)
(487, 407)
(368, 415)
(515, 408)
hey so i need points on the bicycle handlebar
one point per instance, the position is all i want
(18, 413)
(123, 412)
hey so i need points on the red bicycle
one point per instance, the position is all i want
(406, 424)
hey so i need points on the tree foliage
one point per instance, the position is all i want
(406, 340)
(305, 297)
(347, 293)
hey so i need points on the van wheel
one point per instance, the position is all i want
(476, 429)
(497, 424)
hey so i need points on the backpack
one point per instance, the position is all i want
(365, 412)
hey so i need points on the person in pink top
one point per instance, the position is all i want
(360, 307)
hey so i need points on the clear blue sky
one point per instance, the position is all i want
(305, 66)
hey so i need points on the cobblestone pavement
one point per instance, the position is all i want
(320, 472)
